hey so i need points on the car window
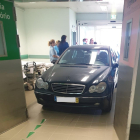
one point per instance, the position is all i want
(85, 57)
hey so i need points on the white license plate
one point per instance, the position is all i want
(66, 99)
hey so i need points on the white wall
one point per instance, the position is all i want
(72, 23)
(136, 104)
(21, 30)
(87, 32)
(43, 25)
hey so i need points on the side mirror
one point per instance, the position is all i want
(116, 65)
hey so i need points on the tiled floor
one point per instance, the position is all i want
(30, 98)
(63, 124)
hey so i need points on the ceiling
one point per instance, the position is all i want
(113, 6)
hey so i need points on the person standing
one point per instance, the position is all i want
(53, 53)
(84, 41)
(91, 41)
(57, 47)
(63, 44)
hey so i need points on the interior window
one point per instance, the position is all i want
(127, 39)
(2, 41)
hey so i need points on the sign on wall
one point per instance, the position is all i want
(8, 40)
(3, 13)
(113, 16)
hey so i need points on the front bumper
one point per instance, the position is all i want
(48, 99)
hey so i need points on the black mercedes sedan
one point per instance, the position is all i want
(84, 76)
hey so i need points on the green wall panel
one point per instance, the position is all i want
(24, 56)
(9, 25)
(39, 56)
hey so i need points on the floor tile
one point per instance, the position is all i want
(80, 131)
(21, 135)
(30, 98)
(64, 130)
(59, 137)
(53, 122)
(40, 136)
(47, 128)
(58, 116)
(2, 138)
(74, 137)
(99, 120)
(85, 118)
(72, 117)
(12, 132)
(97, 133)
(83, 124)
(68, 123)
(98, 125)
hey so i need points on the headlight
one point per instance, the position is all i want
(41, 84)
(98, 88)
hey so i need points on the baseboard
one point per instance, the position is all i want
(39, 56)
(135, 126)
(25, 56)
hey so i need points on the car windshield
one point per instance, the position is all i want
(80, 56)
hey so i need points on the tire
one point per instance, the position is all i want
(107, 104)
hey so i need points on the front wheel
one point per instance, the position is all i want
(107, 103)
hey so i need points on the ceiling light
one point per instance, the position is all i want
(104, 8)
(102, 2)
(114, 9)
(32, 2)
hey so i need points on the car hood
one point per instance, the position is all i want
(75, 74)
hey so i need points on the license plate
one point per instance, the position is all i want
(66, 99)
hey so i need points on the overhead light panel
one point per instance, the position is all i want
(32, 2)
(104, 8)
(114, 10)
(102, 2)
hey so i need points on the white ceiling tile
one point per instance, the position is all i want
(79, 7)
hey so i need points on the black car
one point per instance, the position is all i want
(82, 77)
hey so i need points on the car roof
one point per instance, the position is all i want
(91, 47)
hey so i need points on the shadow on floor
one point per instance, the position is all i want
(89, 111)
(134, 135)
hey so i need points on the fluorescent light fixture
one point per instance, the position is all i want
(114, 10)
(104, 8)
(32, 2)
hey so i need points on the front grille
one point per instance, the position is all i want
(68, 88)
